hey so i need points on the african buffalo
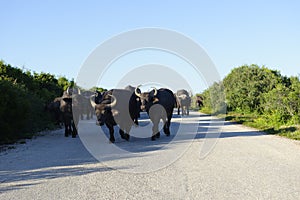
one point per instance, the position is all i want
(184, 101)
(136, 107)
(85, 105)
(98, 96)
(70, 112)
(54, 109)
(159, 104)
(199, 101)
(117, 107)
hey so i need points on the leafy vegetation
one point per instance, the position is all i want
(255, 96)
(258, 97)
(24, 96)
(214, 99)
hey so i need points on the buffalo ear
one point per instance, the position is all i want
(151, 94)
(155, 99)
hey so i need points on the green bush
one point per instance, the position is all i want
(273, 99)
(24, 97)
(14, 111)
(245, 85)
(214, 99)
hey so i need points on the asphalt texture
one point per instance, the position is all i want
(204, 158)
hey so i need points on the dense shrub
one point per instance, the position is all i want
(283, 102)
(274, 99)
(23, 99)
(245, 85)
(14, 111)
(214, 99)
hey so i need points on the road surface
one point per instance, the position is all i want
(195, 162)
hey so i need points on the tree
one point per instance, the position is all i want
(214, 98)
(245, 85)
(23, 99)
(282, 103)
(63, 82)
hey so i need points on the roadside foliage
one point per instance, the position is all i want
(24, 96)
(270, 101)
(250, 94)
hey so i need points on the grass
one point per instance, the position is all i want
(265, 125)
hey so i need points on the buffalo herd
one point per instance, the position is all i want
(119, 107)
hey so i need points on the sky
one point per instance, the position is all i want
(57, 37)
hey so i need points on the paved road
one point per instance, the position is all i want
(239, 164)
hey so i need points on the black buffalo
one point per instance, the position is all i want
(136, 107)
(159, 104)
(98, 96)
(184, 102)
(54, 109)
(199, 101)
(84, 104)
(117, 107)
(69, 107)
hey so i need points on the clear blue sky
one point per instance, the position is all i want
(57, 36)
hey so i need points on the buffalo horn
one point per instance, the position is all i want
(68, 91)
(112, 104)
(136, 92)
(155, 91)
(92, 101)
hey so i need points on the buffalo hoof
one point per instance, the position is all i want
(125, 136)
(168, 134)
(153, 138)
(112, 140)
(74, 133)
(157, 135)
(122, 135)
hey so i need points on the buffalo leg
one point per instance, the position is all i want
(155, 131)
(91, 113)
(183, 110)
(66, 128)
(66, 131)
(167, 125)
(74, 132)
(124, 136)
(111, 133)
(136, 121)
(155, 114)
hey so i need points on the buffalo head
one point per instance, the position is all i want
(103, 110)
(147, 99)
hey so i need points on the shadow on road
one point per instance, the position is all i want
(46, 157)
(202, 130)
(54, 156)
(224, 132)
